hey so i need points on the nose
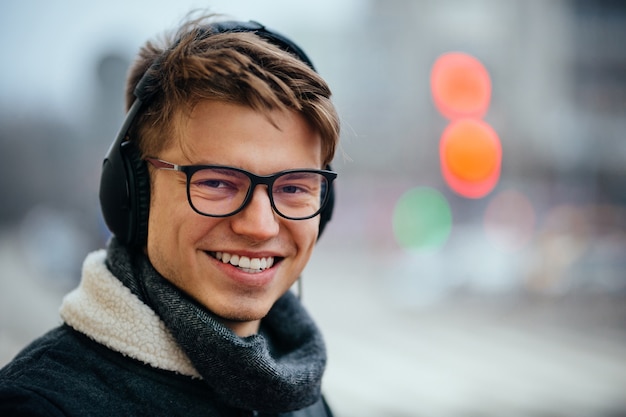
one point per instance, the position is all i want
(257, 220)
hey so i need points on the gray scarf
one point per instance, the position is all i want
(278, 370)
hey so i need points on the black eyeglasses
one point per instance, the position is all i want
(222, 191)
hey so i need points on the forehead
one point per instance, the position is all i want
(223, 133)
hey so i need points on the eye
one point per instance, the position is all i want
(306, 183)
(214, 183)
(219, 180)
(289, 189)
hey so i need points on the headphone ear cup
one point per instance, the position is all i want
(125, 193)
(139, 193)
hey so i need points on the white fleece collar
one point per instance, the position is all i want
(102, 308)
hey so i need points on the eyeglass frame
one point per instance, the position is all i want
(255, 180)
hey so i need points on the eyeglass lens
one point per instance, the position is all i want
(223, 191)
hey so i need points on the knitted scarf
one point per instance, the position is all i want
(277, 370)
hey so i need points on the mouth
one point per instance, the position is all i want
(244, 263)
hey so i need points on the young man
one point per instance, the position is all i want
(216, 190)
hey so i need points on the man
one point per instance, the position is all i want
(216, 190)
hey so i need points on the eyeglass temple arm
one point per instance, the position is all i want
(160, 164)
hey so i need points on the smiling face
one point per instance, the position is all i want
(236, 266)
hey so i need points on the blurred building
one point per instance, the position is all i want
(558, 105)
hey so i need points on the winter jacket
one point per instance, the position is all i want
(113, 356)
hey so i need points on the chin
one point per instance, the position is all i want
(243, 323)
(245, 309)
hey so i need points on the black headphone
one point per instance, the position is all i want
(125, 183)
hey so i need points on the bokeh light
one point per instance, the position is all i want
(470, 149)
(470, 157)
(460, 85)
(422, 219)
(510, 220)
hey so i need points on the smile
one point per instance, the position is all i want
(246, 264)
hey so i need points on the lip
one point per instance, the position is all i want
(248, 279)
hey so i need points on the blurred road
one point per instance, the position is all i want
(466, 356)
(460, 357)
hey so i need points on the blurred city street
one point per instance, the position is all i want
(461, 356)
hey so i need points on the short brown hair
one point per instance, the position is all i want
(235, 67)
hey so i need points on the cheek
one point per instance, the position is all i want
(168, 213)
(305, 235)
(172, 234)
(173, 224)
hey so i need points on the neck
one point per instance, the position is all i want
(242, 328)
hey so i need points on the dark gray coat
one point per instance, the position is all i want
(64, 373)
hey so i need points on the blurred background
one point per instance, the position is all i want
(434, 301)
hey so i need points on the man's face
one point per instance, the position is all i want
(182, 245)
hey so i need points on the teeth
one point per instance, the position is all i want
(243, 262)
